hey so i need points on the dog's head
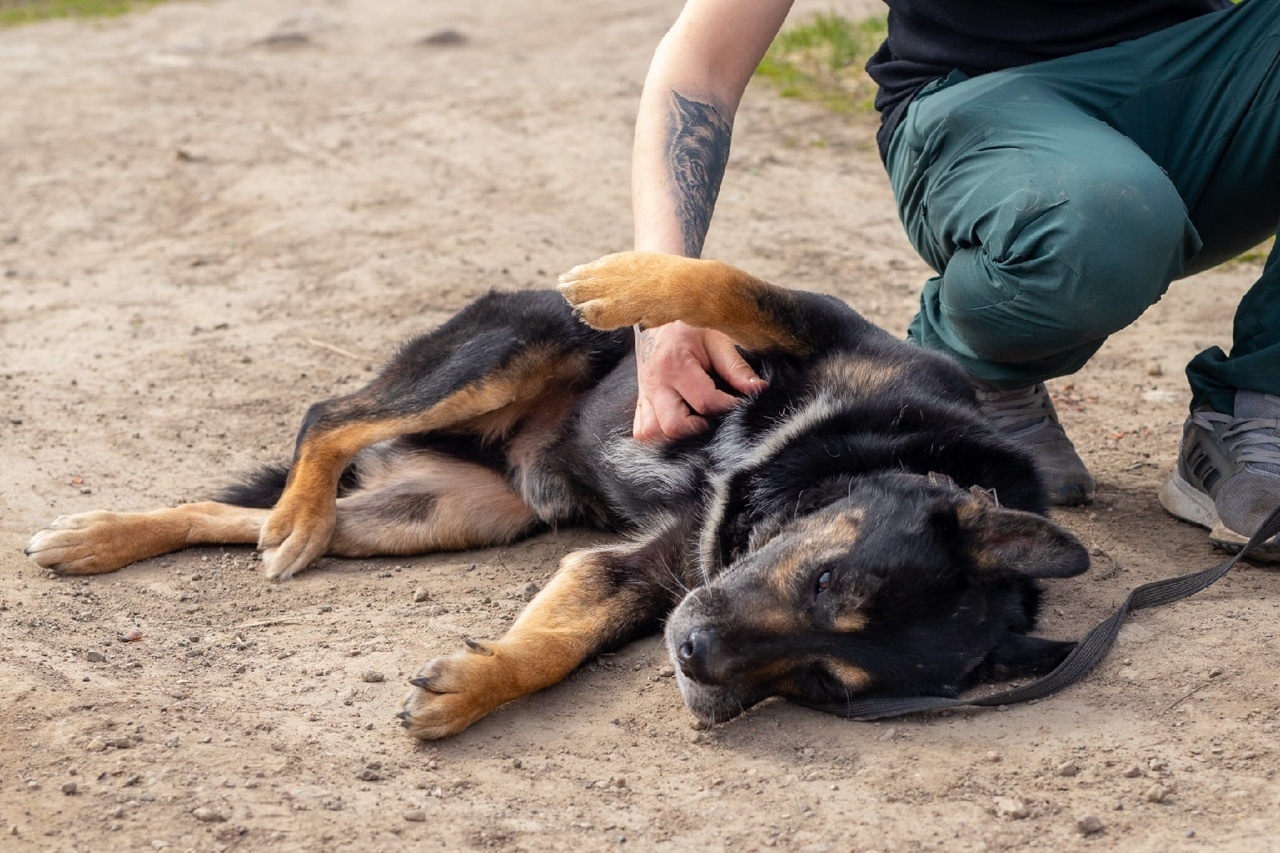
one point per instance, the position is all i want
(892, 585)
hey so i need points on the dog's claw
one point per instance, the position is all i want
(423, 682)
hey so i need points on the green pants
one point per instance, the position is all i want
(1057, 201)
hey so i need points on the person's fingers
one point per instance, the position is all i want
(699, 392)
(675, 418)
(675, 388)
(728, 363)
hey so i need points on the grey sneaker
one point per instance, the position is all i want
(1228, 474)
(1027, 416)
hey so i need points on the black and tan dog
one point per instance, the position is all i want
(853, 529)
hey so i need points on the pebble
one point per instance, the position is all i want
(1011, 807)
(70, 788)
(96, 657)
(1155, 369)
(447, 37)
(96, 745)
(415, 816)
(1157, 794)
(208, 815)
(421, 594)
(372, 676)
(1068, 768)
(1089, 824)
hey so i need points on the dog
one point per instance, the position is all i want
(855, 528)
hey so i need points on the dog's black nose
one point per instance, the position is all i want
(696, 653)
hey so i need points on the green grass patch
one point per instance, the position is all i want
(822, 60)
(1257, 254)
(14, 12)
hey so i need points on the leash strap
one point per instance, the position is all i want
(1080, 660)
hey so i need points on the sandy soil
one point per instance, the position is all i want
(216, 213)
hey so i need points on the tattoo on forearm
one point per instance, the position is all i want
(697, 151)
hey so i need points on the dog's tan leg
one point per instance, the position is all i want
(94, 542)
(301, 526)
(597, 599)
(650, 289)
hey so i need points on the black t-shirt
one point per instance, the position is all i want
(929, 39)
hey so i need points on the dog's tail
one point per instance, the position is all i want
(262, 488)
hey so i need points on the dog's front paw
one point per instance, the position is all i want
(452, 692)
(623, 289)
(88, 544)
(294, 538)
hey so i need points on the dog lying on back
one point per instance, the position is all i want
(854, 529)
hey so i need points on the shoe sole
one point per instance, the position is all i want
(1182, 500)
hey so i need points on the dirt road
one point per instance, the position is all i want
(215, 213)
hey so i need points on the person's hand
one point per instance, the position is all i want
(674, 363)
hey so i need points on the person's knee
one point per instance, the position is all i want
(1074, 274)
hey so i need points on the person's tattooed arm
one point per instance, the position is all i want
(697, 151)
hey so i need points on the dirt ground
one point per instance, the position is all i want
(216, 213)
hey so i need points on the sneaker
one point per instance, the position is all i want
(1228, 474)
(1027, 416)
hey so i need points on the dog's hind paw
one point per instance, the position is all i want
(290, 541)
(90, 543)
(450, 693)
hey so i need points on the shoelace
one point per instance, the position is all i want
(1012, 411)
(1252, 441)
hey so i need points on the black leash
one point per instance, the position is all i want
(1080, 660)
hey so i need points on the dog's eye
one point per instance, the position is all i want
(824, 582)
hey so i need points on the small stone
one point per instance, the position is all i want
(415, 816)
(447, 37)
(372, 676)
(96, 657)
(96, 745)
(421, 594)
(1154, 368)
(667, 672)
(1157, 794)
(517, 763)
(1089, 824)
(208, 815)
(369, 774)
(1133, 772)
(530, 590)
(1011, 808)
(1068, 768)
(993, 757)
(70, 788)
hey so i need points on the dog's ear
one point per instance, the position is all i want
(1006, 542)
